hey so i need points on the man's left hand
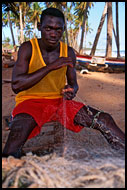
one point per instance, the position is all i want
(68, 92)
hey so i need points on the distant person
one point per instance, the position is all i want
(39, 80)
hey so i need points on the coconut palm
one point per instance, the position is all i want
(7, 40)
(117, 31)
(21, 23)
(109, 30)
(28, 32)
(81, 9)
(83, 25)
(88, 29)
(34, 15)
(71, 32)
(99, 30)
(20, 9)
(110, 26)
(13, 7)
(6, 19)
(76, 31)
(23, 9)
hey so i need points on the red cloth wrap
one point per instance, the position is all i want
(46, 110)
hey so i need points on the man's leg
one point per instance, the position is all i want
(21, 127)
(90, 117)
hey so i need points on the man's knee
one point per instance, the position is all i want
(104, 116)
(84, 117)
(21, 127)
(23, 116)
(21, 120)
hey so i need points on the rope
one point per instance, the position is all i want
(90, 113)
(95, 119)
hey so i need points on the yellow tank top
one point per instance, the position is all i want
(51, 85)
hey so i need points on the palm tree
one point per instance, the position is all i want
(21, 22)
(109, 30)
(28, 32)
(7, 10)
(99, 30)
(23, 8)
(83, 25)
(110, 27)
(117, 31)
(4, 19)
(88, 29)
(34, 15)
(71, 32)
(20, 9)
(77, 30)
(7, 40)
(82, 12)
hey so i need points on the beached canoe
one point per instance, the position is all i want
(98, 63)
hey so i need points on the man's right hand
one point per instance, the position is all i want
(60, 62)
(22, 80)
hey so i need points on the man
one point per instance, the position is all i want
(39, 80)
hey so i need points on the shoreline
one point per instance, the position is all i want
(102, 53)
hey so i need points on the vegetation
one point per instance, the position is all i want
(25, 15)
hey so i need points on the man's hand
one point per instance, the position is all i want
(61, 62)
(68, 92)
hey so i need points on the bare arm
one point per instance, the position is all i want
(72, 86)
(21, 80)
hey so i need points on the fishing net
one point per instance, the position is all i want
(51, 171)
(61, 158)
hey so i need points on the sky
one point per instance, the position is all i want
(93, 21)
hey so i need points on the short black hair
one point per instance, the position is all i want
(52, 12)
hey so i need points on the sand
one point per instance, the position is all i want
(104, 91)
(88, 159)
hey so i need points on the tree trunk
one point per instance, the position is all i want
(83, 27)
(35, 27)
(114, 34)
(85, 37)
(109, 30)
(75, 44)
(66, 32)
(17, 31)
(10, 25)
(21, 24)
(64, 12)
(117, 30)
(99, 30)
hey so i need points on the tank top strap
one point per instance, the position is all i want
(63, 49)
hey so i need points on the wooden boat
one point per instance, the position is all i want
(98, 63)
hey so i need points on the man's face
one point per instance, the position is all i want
(52, 29)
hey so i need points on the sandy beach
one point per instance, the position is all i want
(92, 34)
(104, 91)
(88, 160)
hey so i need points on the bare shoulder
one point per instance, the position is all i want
(23, 59)
(71, 54)
(25, 51)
